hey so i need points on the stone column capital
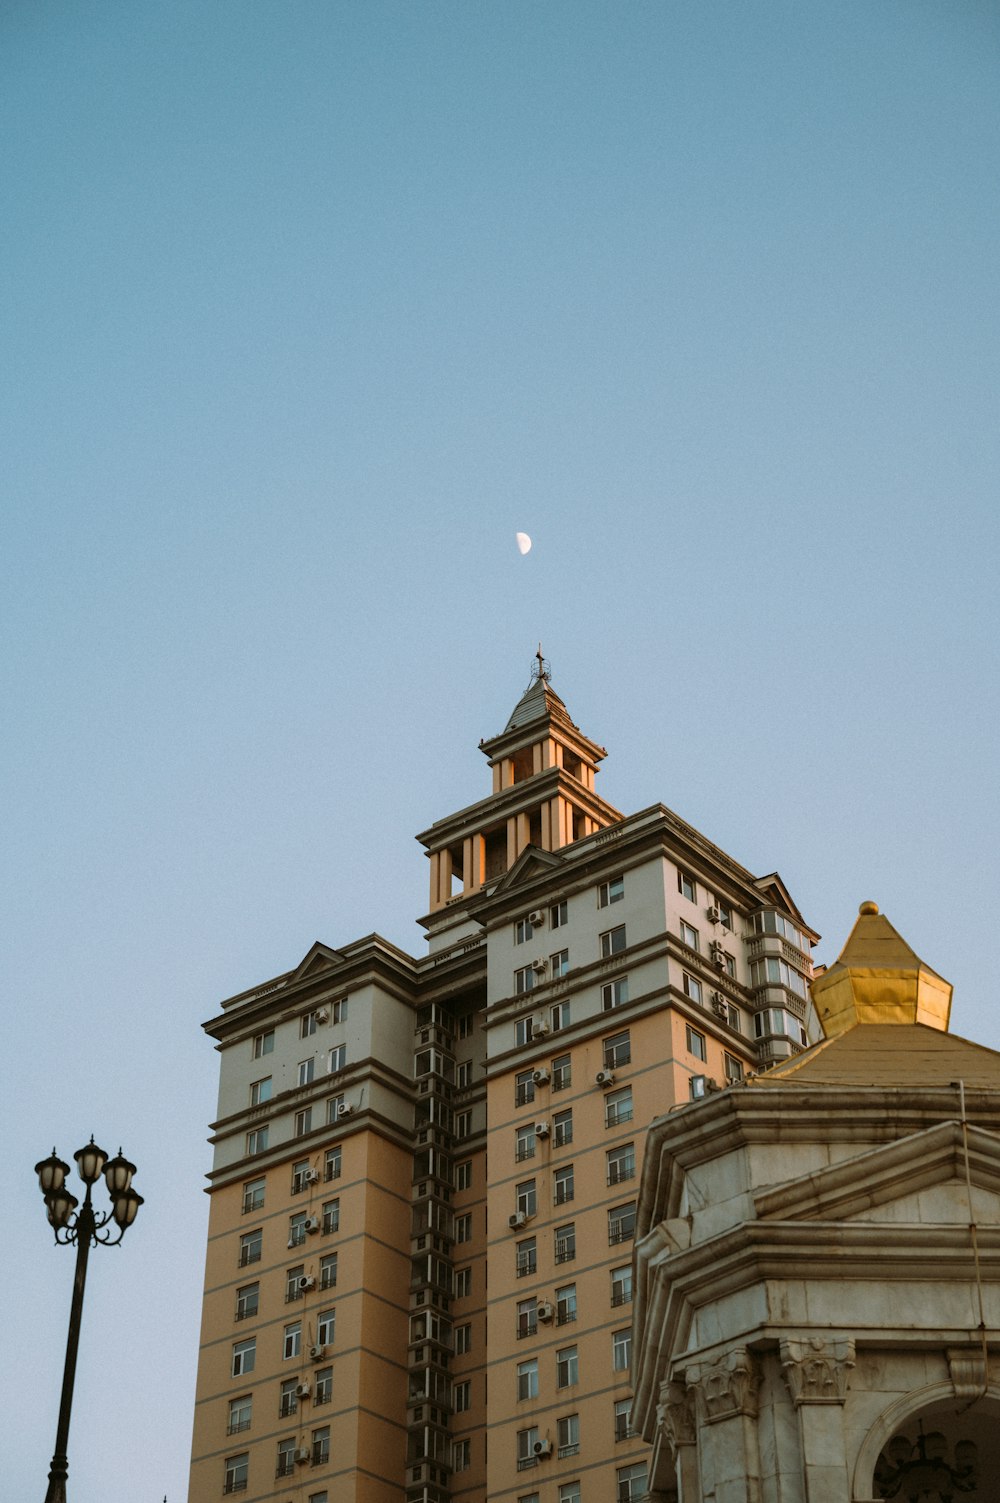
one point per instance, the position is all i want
(727, 1386)
(675, 1415)
(816, 1368)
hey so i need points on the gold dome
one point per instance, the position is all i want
(878, 979)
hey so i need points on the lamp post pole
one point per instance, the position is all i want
(85, 1228)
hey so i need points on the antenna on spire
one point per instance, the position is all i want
(542, 668)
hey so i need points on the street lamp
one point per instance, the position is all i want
(84, 1227)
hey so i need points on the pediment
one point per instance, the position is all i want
(892, 1182)
(773, 890)
(319, 958)
(532, 862)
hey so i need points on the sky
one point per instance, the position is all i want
(306, 309)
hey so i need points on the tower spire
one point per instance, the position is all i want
(544, 669)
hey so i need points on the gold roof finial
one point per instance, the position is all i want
(878, 979)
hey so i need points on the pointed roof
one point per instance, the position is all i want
(877, 978)
(538, 700)
(890, 1057)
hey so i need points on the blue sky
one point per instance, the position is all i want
(307, 308)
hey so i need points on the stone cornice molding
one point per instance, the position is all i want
(726, 1387)
(816, 1368)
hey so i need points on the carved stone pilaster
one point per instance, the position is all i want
(675, 1415)
(816, 1368)
(726, 1387)
(968, 1371)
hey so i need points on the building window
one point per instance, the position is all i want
(524, 981)
(303, 1121)
(328, 1271)
(293, 1282)
(253, 1196)
(286, 1458)
(244, 1357)
(568, 1433)
(774, 972)
(734, 1069)
(333, 1106)
(563, 1185)
(686, 885)
(338, 1058)
(569, 1492)
(618, 1107)
(689, 936)
(332, 1163)
(308, 1024)
(326, 1325)
(527, 1317)
(611, 892)
(617, 1051)
(462, 1397)
(725, 912)
(323, 1391)
(463, 1227)
(289, 1399)
(621, 1223)
(621, 1163)
(300, 1176)
(463, 1077)
(465, 1025)
(558, 964)
(247, 1301)
(523, 931)
(463, 1175)
(257, 1141)
(729, 965)
(340, 1010)
(562, 1072)
(331, 1216)
(251, 1244)
(306, 1071)
(692, 988)
(461, 1455)
(527, 1379)
(562, 1128)
(240, 1414)
(297, 1229)
(623, 1419)
(631, 1482)
(321, 1445)
(263, 1044)
(567, 1367)
(621, 1285)
(526, 1443)
(559, 1016)
(463, 1124)
(565, 1242)
(292, 1342)
(463, 1340)
(237, 1472)
(621, 1349)
(462, 1283)
(613, 941)
(524, 1088)
(614, 993)
(559, 914)
(318, 1497)
(565, 1304)
(260, 1091)
(695, 1042)
(526, 1197)
(526, 1258)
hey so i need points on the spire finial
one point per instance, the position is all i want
(543, 669)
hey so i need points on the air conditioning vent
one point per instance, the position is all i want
(541, 1129)
(715, 915)
(303, 1390)
(545, 1310)
(518, 1219)
(323, 1015)
(345, 1109)
(605, 1078)
(537, 918)
(539, 966)
(312, 1177)
(302, 1453)
(306, 1282)
(542, 1448)
(540, 1077)
(312, 1223)
(719, 1008)
(719, 957)
(539, 1028)
(317, 1353)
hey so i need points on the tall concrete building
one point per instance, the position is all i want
(423, 1196)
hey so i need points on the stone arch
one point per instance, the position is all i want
(895, 1417)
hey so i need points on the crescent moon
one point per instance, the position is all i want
(523, 542)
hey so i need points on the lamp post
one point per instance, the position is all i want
(84, 1227)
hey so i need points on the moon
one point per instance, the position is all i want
(523, 542)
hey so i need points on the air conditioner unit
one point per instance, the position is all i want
(323, 1015)
(540, 1077)
(537, 918)
(545, 1310)
(539, 1028)
(345, 1109)
(302, 1453)
(541, 1129)
(519, 1218)
(305, 1282)
(303, 1390)
(542, 1448)
(312, 1223)
(715, 915)
(719, 1007)
(539, 966)
(312, 1177)
(317, 1353)
(719, 957)
(604, 1078)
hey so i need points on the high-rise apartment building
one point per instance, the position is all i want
(419, 1273)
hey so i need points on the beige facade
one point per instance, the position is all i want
(818, 1262)
(461, 1134)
